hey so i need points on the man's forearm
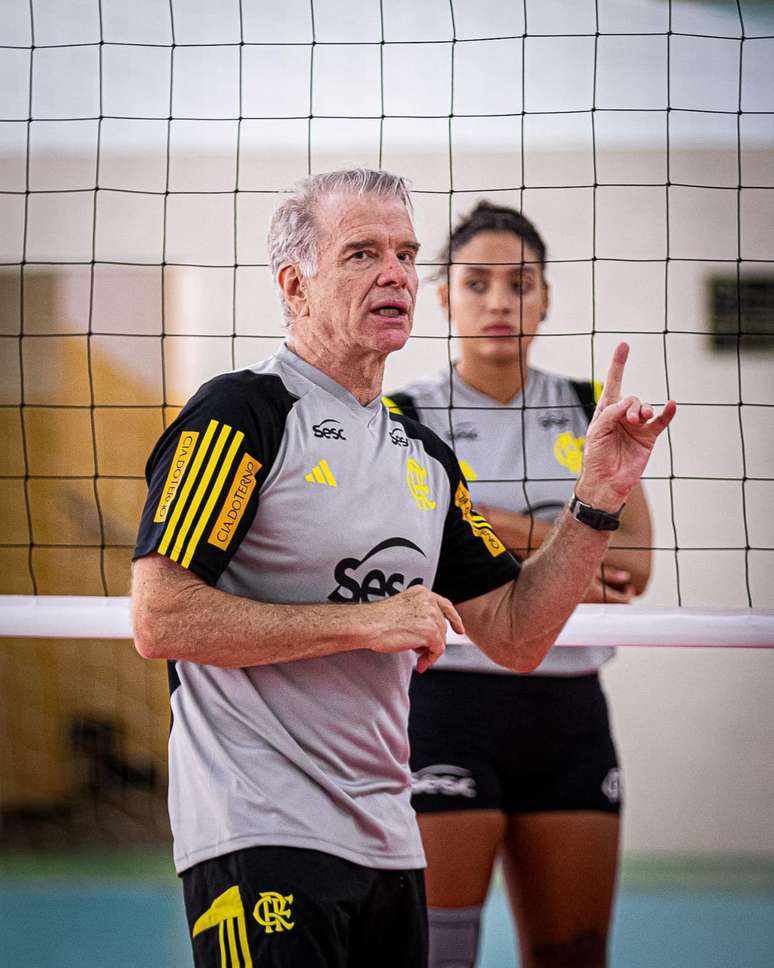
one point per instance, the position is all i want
(523, 536)
(516, 625)
(178, 616)
(554, 580)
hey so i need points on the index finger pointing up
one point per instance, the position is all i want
(611, 392)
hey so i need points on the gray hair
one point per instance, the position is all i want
(293, 233)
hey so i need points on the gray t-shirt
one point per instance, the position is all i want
(524, 456)
(275, 484)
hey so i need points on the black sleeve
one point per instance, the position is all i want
(206, 471)
(588, 394)
(402, 404)
(473, 560)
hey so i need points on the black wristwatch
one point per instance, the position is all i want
(593, 517)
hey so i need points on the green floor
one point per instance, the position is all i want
(107, 910)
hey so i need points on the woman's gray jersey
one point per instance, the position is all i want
(524, 456)
(275, 484)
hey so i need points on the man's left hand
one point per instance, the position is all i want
(619, 440)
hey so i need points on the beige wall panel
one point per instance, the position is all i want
(56, 370)
(10, 371)
(67, 571)
(49, 684)
(12, 447)
(14, 526)
(118, 568)
(63, 512)
(125, 438)
(15, 578)
(121, 501)
(34, 768)
(59, 442)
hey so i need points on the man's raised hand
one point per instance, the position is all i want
(619, 440)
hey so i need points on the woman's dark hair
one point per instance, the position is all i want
(486, 217)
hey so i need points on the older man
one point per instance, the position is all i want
(300, 550)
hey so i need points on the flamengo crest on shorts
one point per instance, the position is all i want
(273, 911)
(227, 913)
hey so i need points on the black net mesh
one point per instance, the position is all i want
(143, 147)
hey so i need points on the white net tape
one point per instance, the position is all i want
(72, 617)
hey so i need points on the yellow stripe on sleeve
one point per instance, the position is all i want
(216, 489)
(201, 490)
(186, 489)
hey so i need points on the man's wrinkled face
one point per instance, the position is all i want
(363, 294)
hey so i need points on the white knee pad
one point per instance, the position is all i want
(453, 936)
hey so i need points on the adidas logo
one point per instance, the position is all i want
(321, 474)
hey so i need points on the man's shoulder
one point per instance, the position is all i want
(251, 390)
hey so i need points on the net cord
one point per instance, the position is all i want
(95, 617)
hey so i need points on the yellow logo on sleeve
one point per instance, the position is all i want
(479, 525)
(568, 451)
(273, 911)
(467, 470)
(415, 478)
(235, 504)
(183, 453)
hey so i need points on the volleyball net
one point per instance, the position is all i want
(142, 151)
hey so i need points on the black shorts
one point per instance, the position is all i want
(287, 907)
(519, 744)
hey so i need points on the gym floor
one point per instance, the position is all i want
(119, 910)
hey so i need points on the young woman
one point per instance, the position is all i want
(523, 766)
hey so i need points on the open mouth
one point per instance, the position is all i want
(390, 312)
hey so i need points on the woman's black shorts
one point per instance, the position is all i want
(519, 744)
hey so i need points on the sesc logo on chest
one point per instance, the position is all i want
(362, 580)
(329, 429)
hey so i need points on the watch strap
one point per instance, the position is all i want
(595, 517)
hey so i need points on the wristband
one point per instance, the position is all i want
(594, 517)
